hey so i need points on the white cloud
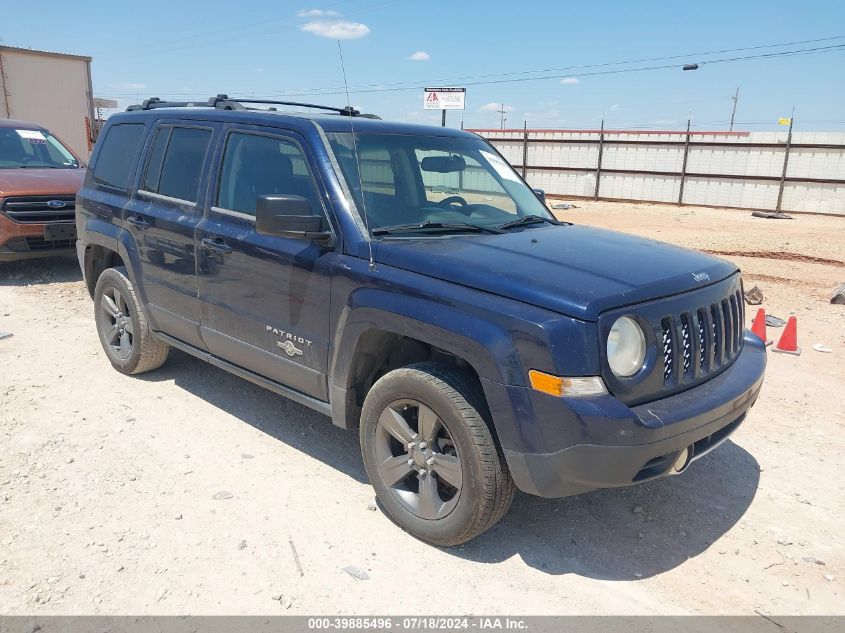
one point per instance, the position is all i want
(317, 13)
(544, 116)
(495, 107)
(420, 56)
(258, 70)
(665, 122)
(337, 29)
(569, 81)
(132, 86)
(615, 107)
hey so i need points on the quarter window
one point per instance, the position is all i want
(174, 167)
(118, 154)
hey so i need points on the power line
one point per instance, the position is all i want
(806, 51)
(587, 66)
(413, 85)
(152, 51)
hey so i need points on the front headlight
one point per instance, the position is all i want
(625, 347)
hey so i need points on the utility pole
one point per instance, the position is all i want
(684, 166)
(443, 119)
(598, 164)
(502, 112)
(733, 113)
(785, 160)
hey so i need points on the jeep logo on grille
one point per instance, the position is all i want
(701, 276)
(56, 204)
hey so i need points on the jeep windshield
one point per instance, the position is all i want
(433, 185)
(35, 149)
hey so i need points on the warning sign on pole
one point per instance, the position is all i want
(444, 98)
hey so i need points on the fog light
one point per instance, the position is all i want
(682, 460)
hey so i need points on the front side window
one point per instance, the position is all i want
(400, 180)
(118, 154)
(256, 165)
(174, 167)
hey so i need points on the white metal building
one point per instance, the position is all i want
(50, 89)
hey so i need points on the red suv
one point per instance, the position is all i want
(39, 178)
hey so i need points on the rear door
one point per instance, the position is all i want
(162, 219)
(265, 299)
(100, 202)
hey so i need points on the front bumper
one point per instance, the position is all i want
(26, 241)
(652, 438)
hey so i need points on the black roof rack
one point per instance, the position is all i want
(224, 102)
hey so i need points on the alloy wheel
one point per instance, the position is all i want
(118, 329)
(418, 459)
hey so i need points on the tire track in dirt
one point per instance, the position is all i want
(780, 255)
(795, 283)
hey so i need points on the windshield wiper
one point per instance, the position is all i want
(28, 166)
(437, 227)
(529, 219)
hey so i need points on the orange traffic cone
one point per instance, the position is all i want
(788, 343)
(758, 326)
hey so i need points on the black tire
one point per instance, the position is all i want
(412, 394)
(121, 326)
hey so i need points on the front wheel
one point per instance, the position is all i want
(431, 456)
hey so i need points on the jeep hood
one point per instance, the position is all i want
(573, 270)
(40, 182)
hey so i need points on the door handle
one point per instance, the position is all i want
(138, 222)
(216, 245)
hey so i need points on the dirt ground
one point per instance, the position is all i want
(186, 490)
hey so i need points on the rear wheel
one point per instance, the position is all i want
(431, 456)
(123, 330)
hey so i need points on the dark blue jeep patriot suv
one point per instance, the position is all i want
(405, 280)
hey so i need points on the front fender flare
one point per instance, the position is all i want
(488, 348)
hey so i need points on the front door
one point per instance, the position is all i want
(265, 300)
(162, 218)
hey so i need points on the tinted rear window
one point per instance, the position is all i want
(175, 165)
(156, 159)
(118, 154)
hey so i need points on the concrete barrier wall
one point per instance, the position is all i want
(724, 169)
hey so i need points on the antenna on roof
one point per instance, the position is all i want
(357, 160)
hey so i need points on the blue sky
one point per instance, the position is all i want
(258, 47)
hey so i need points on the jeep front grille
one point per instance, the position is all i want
(699, 342)
(686, 342)
(37, 210)
(667, 349)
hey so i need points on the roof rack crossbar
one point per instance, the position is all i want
(224, 102)
(345, 111)
(154, 102)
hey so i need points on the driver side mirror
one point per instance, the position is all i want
(540, 194)
(289, 216)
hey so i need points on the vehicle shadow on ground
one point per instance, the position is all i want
(595, 535)
(295, 425)
(626, 533)
(40, 271)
